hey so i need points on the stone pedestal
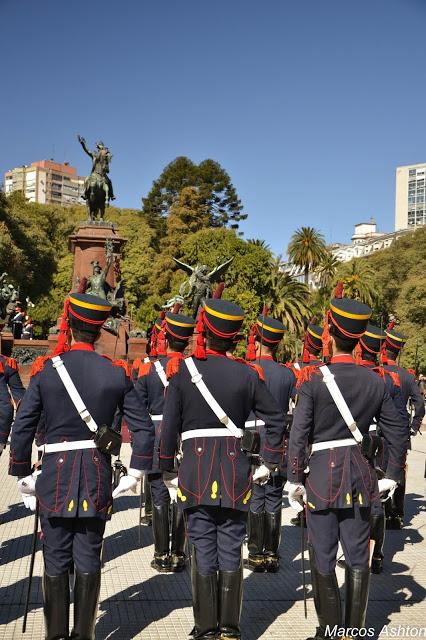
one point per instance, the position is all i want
(88, 245)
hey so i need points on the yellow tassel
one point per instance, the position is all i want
(348, 499)
(180, 495)
(85, 505)
(312, 506)
(71, 505)
(247, 498)
(214, 490)
(360, 499)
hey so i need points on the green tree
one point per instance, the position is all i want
(306, 249)
(216, 191)
(326, 271)
(358, 280)
(187, 215)
(288, 298)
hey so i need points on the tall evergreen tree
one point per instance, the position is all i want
(214, 185)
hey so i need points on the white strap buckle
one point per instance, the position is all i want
(197, 378)
(224, 420)
(85, 415)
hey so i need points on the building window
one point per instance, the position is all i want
(411, 173)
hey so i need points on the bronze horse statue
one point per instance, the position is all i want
(97, 199)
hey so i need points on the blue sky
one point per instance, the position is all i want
(309, 105)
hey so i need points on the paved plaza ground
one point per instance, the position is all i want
(137, 602)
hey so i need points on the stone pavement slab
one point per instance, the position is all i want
(137, 602)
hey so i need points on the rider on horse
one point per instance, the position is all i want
(100, 168)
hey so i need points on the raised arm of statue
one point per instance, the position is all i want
(82, 141)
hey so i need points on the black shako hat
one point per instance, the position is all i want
(349, 317)
(372, 339)
(89, 310)
(269, 330)
(394, 340)
(313, 337)
(179, 326)
(222, 317)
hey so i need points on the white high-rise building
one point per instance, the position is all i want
(410, 202)
(46, 182)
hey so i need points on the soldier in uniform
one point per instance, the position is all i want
(264, 523)
(336, 405)
(410, 393)
(368, 349)
(208, 400)
(150, 387)
(74, 487)
(312, 347)
(11, 392)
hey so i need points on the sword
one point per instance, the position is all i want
(302, 549)
(30, 577)
(142, 499)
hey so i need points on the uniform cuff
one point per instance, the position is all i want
(166, 464)
(140, 463)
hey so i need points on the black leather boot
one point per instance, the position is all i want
(326, 597)
(56, 598)
(256, 529)
(177, 554)
(230, 603)
(160, 531)
(377, 533)
(86, 597)
(357, 585)
(272, 540)
(146, 519)
(204, 602)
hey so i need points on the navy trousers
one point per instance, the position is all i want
(267, 497)
(350, 526)
(217, 534)
(159, 492)
(68, 540)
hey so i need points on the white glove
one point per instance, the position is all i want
(172, 486)
(27, 488)
(296, 496)
(385, 484)
(261, 475)
(127, 483)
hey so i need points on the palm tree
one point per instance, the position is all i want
(259, 243)
(306, 249)
(326, 271)
(358, 280)
(288, 298)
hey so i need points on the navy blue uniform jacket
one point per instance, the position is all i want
(11, 387)
(409, 389)
(280, 381)
(214, 471)
(78, 483)
(151, 393)
(335, 475)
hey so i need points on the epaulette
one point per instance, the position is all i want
(380, 371)
(257, 368)
(11, 362)
(306, 373)
(136, 364)
(124, 365)
(412, 372)
(395, 377)
(290, 365)
(144, 368)
(172, 367)
(38, 365)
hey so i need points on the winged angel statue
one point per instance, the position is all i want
(198, 286)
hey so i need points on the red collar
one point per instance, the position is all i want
(267, 358)
(82, 346)
(174, 354)
(343, 358)
(393, 362)
(212, 352)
